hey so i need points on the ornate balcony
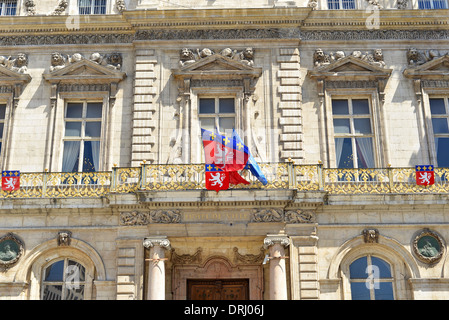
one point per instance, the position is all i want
(280, 176)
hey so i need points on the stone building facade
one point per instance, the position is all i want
(102, 104)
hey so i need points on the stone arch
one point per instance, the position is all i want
(48, 252)
(217, 267)
(404, 265)
(387, 244)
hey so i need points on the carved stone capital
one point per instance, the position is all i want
(163, 242)
(271, 240)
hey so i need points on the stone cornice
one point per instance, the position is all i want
(223, 24)
(388, 20)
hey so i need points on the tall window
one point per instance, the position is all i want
(8, 7)
(353, 132)
(63, 280)
(82, 136)
(92, 6)
(340, 4)
(371, 279)
(2, 123)
(439, 109)
(432, 4)
(217, 113)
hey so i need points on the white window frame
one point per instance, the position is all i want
(341, 3)
(56, 157)
(199, 93)
(352, 135)
(92, 7)
(369, 94)
(217, 115)
(432, 4)
(82, 138)
(427, 94)
(3, 4)
(6, 99)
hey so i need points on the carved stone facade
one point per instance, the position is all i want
(143, 226)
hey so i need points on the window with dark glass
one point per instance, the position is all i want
(353, 132)
(340, 4)
(217, 113)
(8, 7)
(82, 136)
(92, 6)
(63, 280)
(439, 109)
(371, 279)
(432, 4)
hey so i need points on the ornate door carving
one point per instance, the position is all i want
(223, 289)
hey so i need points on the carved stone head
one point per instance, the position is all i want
(64, 238)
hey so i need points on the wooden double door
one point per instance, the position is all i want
(218, 289)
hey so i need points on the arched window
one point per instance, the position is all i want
(63, 280)
(371, 278)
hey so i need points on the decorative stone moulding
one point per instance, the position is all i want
(136, 218)
(427, 69)
(112, 61)
(195, 258)
(322, 59)
(13, 75)
(428, 246)
(226, 65)
(74, 72)
(356, 70)
(417, 57)
(17, 64)
(278, 215)
(11, 249)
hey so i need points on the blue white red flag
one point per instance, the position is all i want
(226, 157)
(251, 164)
(10, 180)
(226, 154)
(425, 175)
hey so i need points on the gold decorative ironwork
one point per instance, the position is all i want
(154, 177)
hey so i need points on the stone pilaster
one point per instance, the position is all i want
(289, 90)
(304, 267)
(156, 266)
(129, 272)
(144, 123)
(278, 273)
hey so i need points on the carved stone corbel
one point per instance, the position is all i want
(370, 235)
(64, 238)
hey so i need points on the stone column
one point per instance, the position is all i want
(278, 276)
(156, 269)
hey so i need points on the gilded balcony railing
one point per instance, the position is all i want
(154, 177)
